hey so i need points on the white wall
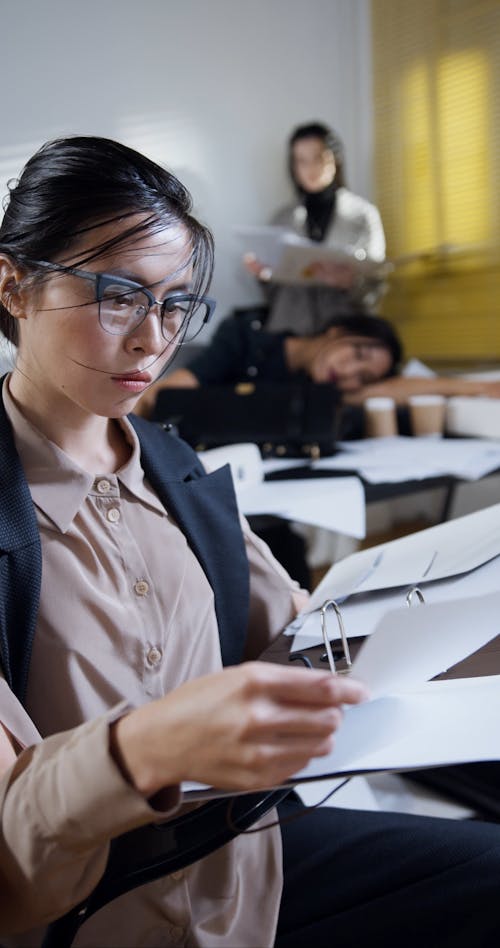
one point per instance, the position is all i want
(209, 88)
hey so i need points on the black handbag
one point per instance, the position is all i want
(151, 852)
(285, 419)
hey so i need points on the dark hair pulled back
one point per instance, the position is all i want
(373, 327)
(72, 184)
(330, 140)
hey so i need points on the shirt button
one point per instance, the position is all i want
(113, 515)
(141, 588)
(103, 486)
(154, 656)
(252, 371)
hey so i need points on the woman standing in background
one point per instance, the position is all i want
(324, 211)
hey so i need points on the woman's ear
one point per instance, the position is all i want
(11, 290)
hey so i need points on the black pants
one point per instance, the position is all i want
(354, 878)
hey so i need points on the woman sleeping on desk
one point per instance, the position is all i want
(360, 355)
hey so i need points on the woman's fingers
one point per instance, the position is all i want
(256, 268)
(237, 728)
(273, 723)
(303, 685)
(266, 765)
(290, 723)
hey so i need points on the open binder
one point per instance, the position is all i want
(411, 722)
(450, 561)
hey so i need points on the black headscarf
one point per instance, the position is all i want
(320, 207)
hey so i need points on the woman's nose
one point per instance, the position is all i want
(148, 336)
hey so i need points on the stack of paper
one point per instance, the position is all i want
(336, 503)
(393, 460)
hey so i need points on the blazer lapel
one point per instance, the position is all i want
(20, 564)
(204, 506)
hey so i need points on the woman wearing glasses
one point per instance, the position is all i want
(126, 578)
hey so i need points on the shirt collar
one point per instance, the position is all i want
(57, 484)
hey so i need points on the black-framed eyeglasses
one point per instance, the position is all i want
(124, 305)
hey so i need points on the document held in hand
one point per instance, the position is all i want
(291, 257)
(411, 722)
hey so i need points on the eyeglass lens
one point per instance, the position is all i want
(120, 313)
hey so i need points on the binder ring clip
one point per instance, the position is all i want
(326, 640)
(414, 592)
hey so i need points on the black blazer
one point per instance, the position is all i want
(204, 506)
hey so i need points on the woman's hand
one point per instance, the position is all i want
(486, 387)
(256, 268)
(245, 728)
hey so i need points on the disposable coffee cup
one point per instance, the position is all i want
(427, 415)
(380, 417)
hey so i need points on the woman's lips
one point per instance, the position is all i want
(133, 381)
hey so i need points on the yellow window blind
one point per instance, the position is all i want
(436, 70)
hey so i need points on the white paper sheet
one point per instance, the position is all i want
(441, 722)
(290, 256)
(447, 549)
(336, 503)
(244, 460)
(295, 264)
(410, 646)
(361, 613)
(265, 241)
(394, 460)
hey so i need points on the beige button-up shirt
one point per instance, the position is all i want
(126, 612)
(59, 805)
